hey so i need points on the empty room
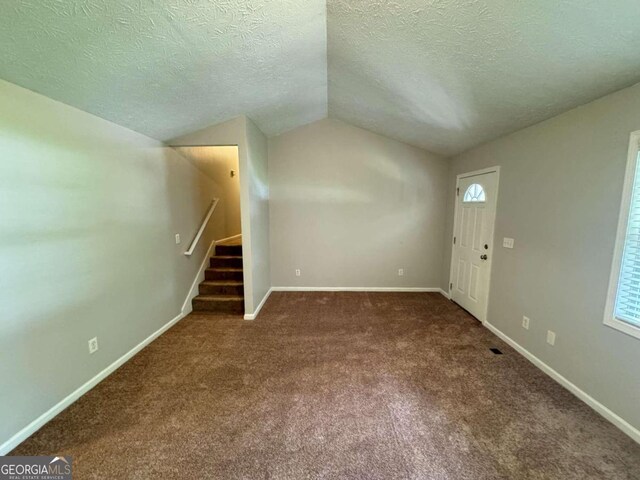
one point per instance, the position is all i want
(319, 239)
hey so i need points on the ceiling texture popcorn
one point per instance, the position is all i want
(444, 75)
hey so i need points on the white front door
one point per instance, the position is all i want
(473, 241)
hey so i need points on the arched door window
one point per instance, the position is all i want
(475, 193)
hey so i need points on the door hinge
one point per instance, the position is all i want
(457, 191)
(454, 240)
(451, 286)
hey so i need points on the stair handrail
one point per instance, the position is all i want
(212, 207)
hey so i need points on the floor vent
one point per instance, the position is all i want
(496, 351)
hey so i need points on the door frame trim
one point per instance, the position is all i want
(496, 170)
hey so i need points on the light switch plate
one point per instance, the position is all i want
(507, 242)
(177, 239)
(551, 337)
(93, 345)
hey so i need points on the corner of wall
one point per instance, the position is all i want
(258, 202)
(448, 225)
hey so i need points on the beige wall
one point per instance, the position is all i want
(254, 196)
(349, 208)
(88, 214)
(560, 190)
(257, 149)
(217, 163)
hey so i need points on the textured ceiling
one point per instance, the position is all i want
(441, 74)
(450, 74)
(168, 67)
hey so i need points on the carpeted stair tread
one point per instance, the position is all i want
(223, 274)
(235, 250)
(222, 290)
(220, 298)
(225, 261)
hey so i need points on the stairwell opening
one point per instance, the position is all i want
(222, 289)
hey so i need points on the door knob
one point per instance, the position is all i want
(483, 257)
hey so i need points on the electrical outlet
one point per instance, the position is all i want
(525, 323)
(93, 345)
(177, 239)
(401, 272)
(507, 242)
(297, 272)
(551, 337)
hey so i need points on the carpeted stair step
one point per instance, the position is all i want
(229, 250)
(218, 303)
(223, 287)
(223, 274)
(226, 262)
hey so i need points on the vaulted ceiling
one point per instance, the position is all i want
(444, 75)
(168, 67)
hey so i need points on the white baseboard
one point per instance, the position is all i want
(445, 294)
(340, 289)
(39, 422)
(618, 421)
(252, 316)
(356, 289)
(193, 291)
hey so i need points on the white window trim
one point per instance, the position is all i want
(609, 315)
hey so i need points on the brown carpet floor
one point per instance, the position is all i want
(335, 385)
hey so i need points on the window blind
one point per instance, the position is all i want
(627, 307)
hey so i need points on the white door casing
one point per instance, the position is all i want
(472, 252)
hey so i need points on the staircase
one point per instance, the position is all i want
(223, 289)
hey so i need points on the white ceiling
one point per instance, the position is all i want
(168, 67)
(441, 74)
(449, 74)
